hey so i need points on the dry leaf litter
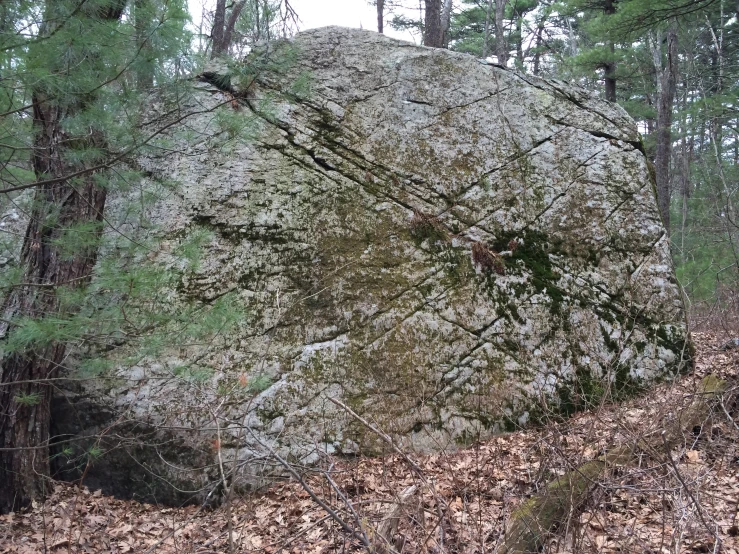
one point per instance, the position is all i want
(682, 501)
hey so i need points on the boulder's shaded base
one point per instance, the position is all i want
(126, 459)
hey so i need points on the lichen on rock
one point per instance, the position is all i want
(450, 248)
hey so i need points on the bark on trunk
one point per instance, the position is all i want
(664, 127)
(519, 41)
(26, 391)
(650, 123)
(610, 66)
(145, 68)
(58, 208)
(446, 22)
(686, 153)
(537, 48)
(222, 33)
(486, 38)
(219, 26)
(25, 394)
(684, 178)
(610, 77)
(231, 24)
(380, 16)
(433, 34)
(501, 44)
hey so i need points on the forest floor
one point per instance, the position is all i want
(684, 500)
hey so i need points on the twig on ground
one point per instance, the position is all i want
(325, 506)
(687, 490)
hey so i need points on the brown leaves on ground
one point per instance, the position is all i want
(686, 500)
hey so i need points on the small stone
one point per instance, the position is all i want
(730, 344)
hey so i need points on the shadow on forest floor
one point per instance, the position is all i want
(685, 500)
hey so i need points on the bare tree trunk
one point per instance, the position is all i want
(684, 185)
(433, 34)
(231, 23)
(223, 28)
(537, 48)
(380, 16)
(219, 26)
(610, 78)
(25, 397)
(501, 44)
(610, 66)
(446, 22)
(571, 39)
(686, 154)
(519, 41)
(25, 386)
(668, 83)
(486, 38)
(142, 19)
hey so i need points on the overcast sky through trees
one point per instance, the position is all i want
(321, 13)
(346, 13)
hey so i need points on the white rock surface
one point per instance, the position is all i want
(357, 298)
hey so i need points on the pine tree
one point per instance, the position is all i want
(71, 78)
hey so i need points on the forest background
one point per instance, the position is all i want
(77, 77)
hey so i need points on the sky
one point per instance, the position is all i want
(346, 13)
(321, 13)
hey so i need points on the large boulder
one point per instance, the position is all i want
(450, 248)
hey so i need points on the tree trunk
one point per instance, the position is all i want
(219, 26)
(446, 22)
(380, 16)
(610, 66)
(25, 396)
(668, 83)
(486, 38)
(537, 48)
(650, 122)
(222, 33)
(610, 78)
(433, 34)
(519, 41)
(145, 68)
(501, 44)
(60, 207)
(231, 23)
(685, 162)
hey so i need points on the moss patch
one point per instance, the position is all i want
(530, 251)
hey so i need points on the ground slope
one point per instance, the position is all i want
(681, 501)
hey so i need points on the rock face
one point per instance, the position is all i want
(448, 247)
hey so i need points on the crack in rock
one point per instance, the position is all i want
(348, 228)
